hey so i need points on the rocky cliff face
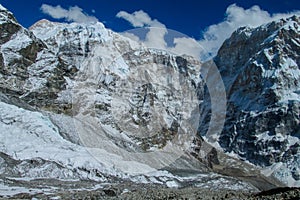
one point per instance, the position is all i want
(121, 83)
(260, 69)
(30, 71)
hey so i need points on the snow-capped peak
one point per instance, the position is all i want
(2, 8)
(7, 17)
(57, 34)
(43, 23)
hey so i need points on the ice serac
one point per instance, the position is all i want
(260, 69)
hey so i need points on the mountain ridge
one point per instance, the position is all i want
(264, 90)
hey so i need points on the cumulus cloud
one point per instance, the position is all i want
(187, 46)
(155, 36)
(236, 17)
(139, 19)
(212, 38)
(73, 14)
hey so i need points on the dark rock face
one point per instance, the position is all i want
(29, 70)
(152, 94)
(9, 25)
(260, 69)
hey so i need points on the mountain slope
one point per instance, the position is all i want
(260, 69)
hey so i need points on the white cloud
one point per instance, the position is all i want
(155, 38)
(73, 14)
(212, 38)
(139, 19)
(188, 46)
(236, 17)
(157, 30)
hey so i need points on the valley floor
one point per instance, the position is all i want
(147, 191)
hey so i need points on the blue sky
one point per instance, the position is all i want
(211, 20)
(190, 17)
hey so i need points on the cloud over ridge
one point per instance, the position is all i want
(204, 48)
(213, 37)
(236, 17)
(73, 14)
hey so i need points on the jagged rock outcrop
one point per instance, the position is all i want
(260, 69)
(30, 71)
